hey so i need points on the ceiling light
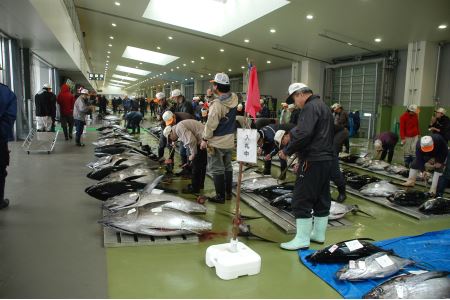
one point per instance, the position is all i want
(170, 38)
(178, 67)
(184, 65)
(140, 63)
(202, 57)
(377, 40)
(442, 26)
(111, 37)
(309, 17)
(243, 12)
(272, 30)
(159, 48)
(209, 74)
(269, 62)
(113, 24)
(148, 56)
(124, 77)
(109, 52)
(222, 50)
(117, 3)
(110, 45)
(137, 67)
(118, 81)
(185, 79)
(201, 76)
(192, 78)
(242, 67)
(229, 70)
(192, 61)
(246, 41)
(107, 61)
(107, 64)
(107, 56)
(350, 44)
(132, 70)
(171, 70)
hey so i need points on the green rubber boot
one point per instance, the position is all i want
(319, 229)
(302, 238)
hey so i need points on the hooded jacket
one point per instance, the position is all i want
(443, 124)
(312, 138)
(221, 125)
(80, 109)
(66, 101)
(189, 132)
(409, 125)
(8, 113)
(45, 103)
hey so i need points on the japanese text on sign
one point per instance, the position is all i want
(246, 145)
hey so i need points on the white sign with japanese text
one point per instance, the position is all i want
(247, 145)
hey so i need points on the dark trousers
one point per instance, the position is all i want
(67, 123)
(442, 185)
(389, 151)
(162, 146)
(312, 189)
(134, 125)
(336, 174)
(114, 108)
(199, 169)
(347, 145)
(79, 125)
(4, 162)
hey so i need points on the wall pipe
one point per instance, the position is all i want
(436, 78)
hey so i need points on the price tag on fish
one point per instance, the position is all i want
(246, 145)
(361, 264)
(384, 261)
(333, 248)
(352, 264)
(353, 245)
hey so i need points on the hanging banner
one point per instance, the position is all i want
(247, 145)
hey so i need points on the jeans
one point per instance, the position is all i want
(79, 125)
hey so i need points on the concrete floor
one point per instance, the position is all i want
(51, 245)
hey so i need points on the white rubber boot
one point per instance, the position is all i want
(434, 182)
(411, 178)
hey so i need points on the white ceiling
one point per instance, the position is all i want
(396, 22)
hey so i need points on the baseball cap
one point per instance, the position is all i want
(279, 136)
(412, 108)
(167, 131)
(239, 106)
(221, 78)
(292, 105)
(297, 86)
(168, 117)
(84, 91)
(378, 145)
(441, 110)
(284, 104)
(46, 86)
(160, 95)
(175, 93)
(196, 98)
(426, 144)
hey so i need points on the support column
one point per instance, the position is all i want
(312, 74)
(198, 87)
(295, 71)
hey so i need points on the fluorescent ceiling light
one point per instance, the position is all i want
(148, 56)
(117, 3)
(246, 41)
(242, 12)
(273, 30)
(116, 85)
(124, 77)
(114, 24)
(222, 50)
(132, 70)
(118, 81)
(309, 17)
(377, 40)
(202, 57)
(443, 26)
(269, 62)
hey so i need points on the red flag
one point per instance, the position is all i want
(252, 105)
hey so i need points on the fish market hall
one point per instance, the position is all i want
(224, 149)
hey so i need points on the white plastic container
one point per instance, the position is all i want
(230, 262)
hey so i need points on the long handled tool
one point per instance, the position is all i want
(283, 173)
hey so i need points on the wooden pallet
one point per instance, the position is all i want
(279, 217)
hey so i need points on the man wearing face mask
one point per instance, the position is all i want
(80, 110)
(312, 140)
(218, 137)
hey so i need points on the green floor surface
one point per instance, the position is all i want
(179, 271)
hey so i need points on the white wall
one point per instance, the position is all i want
(275, 83)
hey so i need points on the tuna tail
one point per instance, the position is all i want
(244, 231)
(243, 217)
(149, 187)
(357, 210)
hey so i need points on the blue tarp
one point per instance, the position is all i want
(431, 250)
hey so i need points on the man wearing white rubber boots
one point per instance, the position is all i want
(312, 140)
(431, 153)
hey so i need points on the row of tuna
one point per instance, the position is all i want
(365, 261)
(130, 188)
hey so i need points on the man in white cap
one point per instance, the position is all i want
(285, 114)
(409, 133)
(218, 137)
(312, 140)
(190, 132)
(240, 110)
(45, 103)
(431, 153)
(268, 147)
(264, 112)
(182, 105)
(80, 110)
(385, 145)
(440, 124)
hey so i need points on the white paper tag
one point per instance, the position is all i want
(352, 264)
(157, 191)
(417, 272)
(157, 209)
(131, 211)
(401, 291)
(333, 248)
(353, 245)
(361, 264)
(384, 261)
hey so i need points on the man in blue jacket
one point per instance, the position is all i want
(8, 112)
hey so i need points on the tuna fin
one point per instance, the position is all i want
(357, 210)
(149, 187)
(152, 205)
